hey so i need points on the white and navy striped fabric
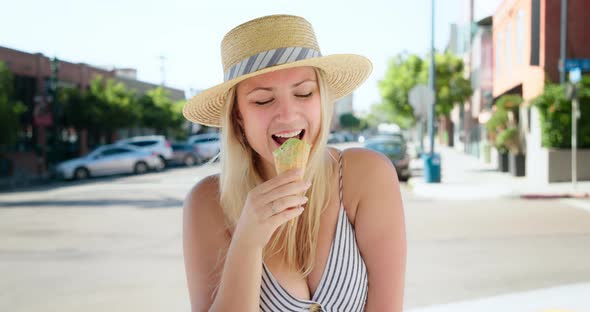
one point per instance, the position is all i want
(269, 58)
(343, 286)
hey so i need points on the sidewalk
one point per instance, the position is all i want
(466, 177)
(566, 298)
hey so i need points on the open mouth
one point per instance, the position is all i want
(282, 137)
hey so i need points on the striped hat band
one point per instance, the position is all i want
(269, 58)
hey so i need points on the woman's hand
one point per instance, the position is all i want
(268, 206)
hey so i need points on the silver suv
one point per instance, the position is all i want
(207, 144)
(155, 144)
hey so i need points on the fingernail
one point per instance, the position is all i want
(305, 199)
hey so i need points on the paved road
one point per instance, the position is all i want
(114, 244)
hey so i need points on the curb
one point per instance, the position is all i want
(556, 196)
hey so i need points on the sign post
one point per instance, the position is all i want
(575, 76)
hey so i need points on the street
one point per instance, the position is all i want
(114, 244)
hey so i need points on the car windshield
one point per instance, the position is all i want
(387, 147)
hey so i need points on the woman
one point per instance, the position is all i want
(252, 241)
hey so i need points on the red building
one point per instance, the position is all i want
(526, 54)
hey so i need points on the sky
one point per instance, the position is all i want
(135, 33)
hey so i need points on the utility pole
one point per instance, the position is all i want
(163, 69)
(55, 109)
(432, 160)
(562, 40)
(431, 82)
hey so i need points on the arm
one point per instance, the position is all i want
(205, 241)
(204, 235)
(380, 230)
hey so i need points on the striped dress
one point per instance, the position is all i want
(343, 286)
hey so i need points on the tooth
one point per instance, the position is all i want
(289, 135)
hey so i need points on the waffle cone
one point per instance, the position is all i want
(293, 154)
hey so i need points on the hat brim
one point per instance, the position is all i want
(343, 73)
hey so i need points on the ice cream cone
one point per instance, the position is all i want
(294, 153)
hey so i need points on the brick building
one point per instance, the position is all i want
(32, 73)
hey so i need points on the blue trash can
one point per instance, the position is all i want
(431, 167)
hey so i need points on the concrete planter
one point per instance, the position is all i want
(555, 165)
(517, 165)
(503, 165)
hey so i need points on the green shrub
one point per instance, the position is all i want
(509, 140)
(556, 116)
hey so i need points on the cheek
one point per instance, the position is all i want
(256, 124)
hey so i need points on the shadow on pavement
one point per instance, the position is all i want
(94, 203)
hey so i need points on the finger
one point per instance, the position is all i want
(283, 178)
(293, 188)
(284, 203)
(286, 215)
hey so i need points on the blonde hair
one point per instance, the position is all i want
(296, 239)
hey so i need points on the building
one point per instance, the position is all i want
(526, 38)
(482, 69)
(471, 40)
(342, 106)
(32, 74)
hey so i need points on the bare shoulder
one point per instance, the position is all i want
(203, 194)
(202, 208)
(367, 165)
(205, 240)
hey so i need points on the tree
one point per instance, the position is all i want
(122, 109)
(349, 121)
(10, 109)
(405, 72)
(116, 106)
(159, 112)
(79, 110)
(451, 86)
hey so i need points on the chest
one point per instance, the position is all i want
(304, 287)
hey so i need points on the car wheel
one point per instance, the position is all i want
(140, 168)
(81, 173)
(162, 163)
(189, 160)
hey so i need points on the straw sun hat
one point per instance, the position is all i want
(269, 44)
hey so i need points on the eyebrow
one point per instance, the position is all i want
(293, 86)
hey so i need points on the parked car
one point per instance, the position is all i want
(348, 136)
(335, 138)
(396, 150)
(153, 144)
(185, 154)
(107, 160)
(207, 144)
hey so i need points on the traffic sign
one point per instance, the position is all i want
(421, 97)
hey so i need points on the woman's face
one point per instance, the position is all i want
(275, 106)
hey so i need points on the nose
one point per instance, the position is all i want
(286, 110)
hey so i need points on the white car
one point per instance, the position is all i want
(107, 160)
(152, 143)
(207, 144)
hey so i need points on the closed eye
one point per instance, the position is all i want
(304, 95)
(263, 102)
